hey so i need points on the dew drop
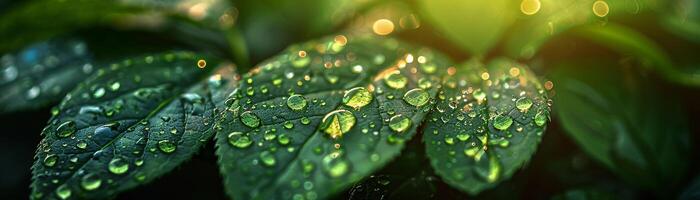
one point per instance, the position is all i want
(530, 7)
(267, 158)
(383, 27)
(33, 92)
(502, 122)
(90, 181)
(337, 123)
(99, 92)
(250, 119)
(114, 86)
(65, 129)
(202, 63)
(238, 139)
(395, 80)
(540, 119)
(118, 166)
(335, 167)
(523, 103)
(63, 192)
(166, 146)
(416, 97)
(50, 160)
(399, 123)
(357, 97)
(300, 59)
(601, 8)
(296, 102)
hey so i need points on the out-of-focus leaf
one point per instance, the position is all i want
(630, 42)
(685, 22)
(692, 191)
(323, 115)
(486, 124)
(268, 26)
(42, 73)
(623, 121)
(585, 194)
(125, 126)
(476, 26)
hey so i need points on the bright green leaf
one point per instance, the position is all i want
(323, 115)
(486, 124)
(476, 26)
(623, 121)
(125, 126)
(42, 73)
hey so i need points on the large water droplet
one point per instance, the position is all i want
(530, 7)
(540, 118)
(416, 97)
(337, 123)
(601, 8)
(399, 123)
(296, 102)
(238, 139)
(357, 97)
(335, 167)
(166, 146)
(65, 129)
(90, 181)
(118, 166)
(523, 103)
(267, 158)
(63, 191)
(395, 80)
(502, 122)
(250, 119)
(50, 160)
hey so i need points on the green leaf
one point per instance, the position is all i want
(585, 194)
(692, 191)
(324, 114)
(623, 121)
(42, 73)
(486, 124)
(476, 26)
(125, 126)
(629, 42)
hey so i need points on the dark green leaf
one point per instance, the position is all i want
(623, 121)
(486, 124)
(289, 133)
(42, 73)
(125, 126)
(630, 42)
(692, 191)
(586, 194)
(473, 25)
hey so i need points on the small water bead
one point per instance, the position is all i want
(335, 167)
(99, 92)
(395, 80)
(288, 125)
(166, 146)
(267, 158)
(283, 139)
(239, 139)
(250, 119)
(65, 129)
(296, 102)
(399, 123)
(357, 97)
(305, 120)
(115, 86)
(502, 122)
(33, 92)
(540, 119)
(416, 97)
(118, 166)
(50, 160)
(63, 191)
(90, 181)
(479, 95)
(425, 83)
(523, 103)
(81, 145)
(383, 27)
(337, 123)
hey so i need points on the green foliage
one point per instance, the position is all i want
(475, 26)
(302, 126)
(43, 73)
(613, 115)
(487, 125)
(125, 126)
